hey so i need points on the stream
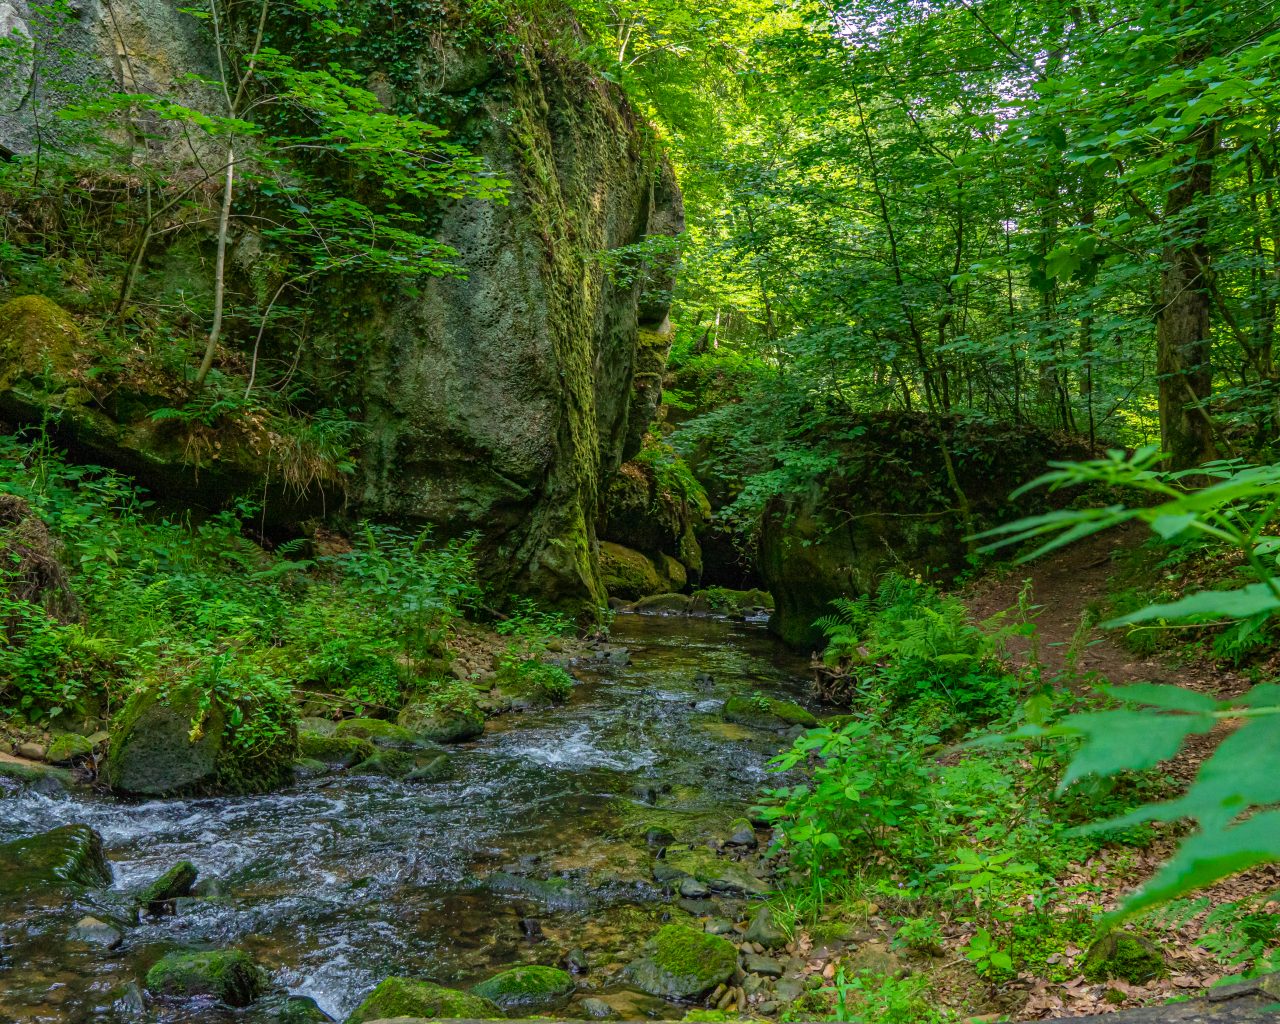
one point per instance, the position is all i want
(540, 843)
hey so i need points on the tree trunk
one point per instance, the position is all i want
(1183, 345)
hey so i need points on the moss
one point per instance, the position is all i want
(765, 713)
(340, 751)
(70, 855)
(628, 574)
(404, 997)
(681, 963)
(226, 974)
(36, 336)
(175, 882)
(67, 746)
(454, 724)
(1120, 955)
(381, 734)
(533, 986)
(395, 764)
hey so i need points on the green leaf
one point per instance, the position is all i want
(1254, 599)
(1162, 695)
(1116, 741)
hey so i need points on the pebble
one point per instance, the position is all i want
(691, 888)
(97, 933)
(718, 926)
(31, 751)
(765, 966)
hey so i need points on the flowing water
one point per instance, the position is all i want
(539, 843)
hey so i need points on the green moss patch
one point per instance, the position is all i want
(765, 713)
(229, 975)
(531, 987)
(404, 997)
(1124, 957)
(681, 963)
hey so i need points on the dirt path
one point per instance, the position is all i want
(1065, 585)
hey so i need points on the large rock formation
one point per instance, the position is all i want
(502, 402)
(909, 489)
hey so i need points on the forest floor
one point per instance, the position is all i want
(1067, 586)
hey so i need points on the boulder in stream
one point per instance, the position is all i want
(387, 735)
(334, 751)
(69, 856)
(443, 725)
(760, 712)
(405, 997)
(680, 963)
(229, 975)
(531, 987)
(158, 897)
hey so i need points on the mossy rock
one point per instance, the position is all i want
(718, 874)
(405, 997)
(37, 778)
(387, 735)
(629, 574)
(442, 725)
(432, 769)
(229, 975)
(674, 574)
(67, 746)
(1124, 957)
(174, 883)
(529, 987)
(69, 856)
(335, 751)
(153, 753)
(394, 764)
(37, 336)
(664, 604)
(766, 713)
(681, 963)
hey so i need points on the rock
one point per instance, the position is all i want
(433, 769)
(36, 778)
(158, 897)
(765, 966)
(598, 1009)
(761, 712)
(449, 725)
(576, 961)
(693, 889)
(1125, 957)
(530, 987)
(37, 338)
(31, 751)
(718, 926)
(282, 1008)
(153, 752)
(875, 958)
(67, 747)
(334, 751)
(701, 864)
(681, 963)
(96, 932)
(229, 975)
(742, 833)
(319, 726)
(763, 930)
(309, 768)
(788, 990)
(69, 856)
(387, 735)
(658, 511)
(662, 604)
(629, 574)
(394, 764)
(405, 997)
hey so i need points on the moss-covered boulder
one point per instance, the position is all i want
(531, 987)
(157, 897)
(37, 338)
(442, 724)
(334, 751)
(17, 776)
(1121, 956)
(229, 975)
(68, 747)
(405, 997)
(761, 712)
(168, 741)
(702, 865)
(69, 856)
(387, 735)
(394, 764)
(663, 604)
(628, 574)
(681, 963)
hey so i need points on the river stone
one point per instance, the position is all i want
(36, 778)
(230, 975)
(305, 768)
(158, 897)
(67, 746)
(765, 966)
(394, 764)
(334, 751)
(405, 997)
(763, 930)
(691, 888)
(528, 987)
(31, 751)
(432, 769)
(598, 1009)
(766, 713)
(742, 833)
(67, 856)
(152, 752)
(282, 1008)
(442, 725)
(95, 932)
(681, 963)
(387, 735)
(701, 864)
